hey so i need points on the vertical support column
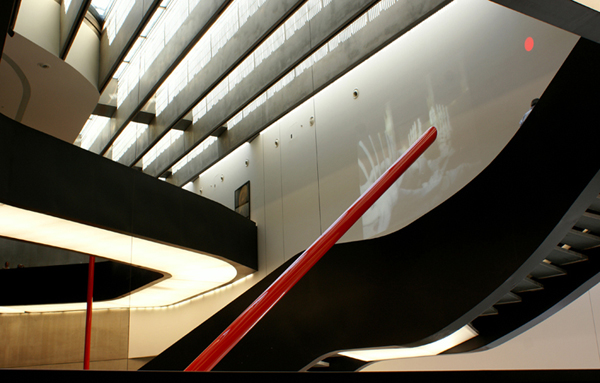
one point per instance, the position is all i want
(88, 314)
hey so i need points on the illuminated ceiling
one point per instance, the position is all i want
(188, 273)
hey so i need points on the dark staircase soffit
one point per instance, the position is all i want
(535, 307)
(526, 285)
(510, 297)
(595, 206)
(576, 277)
(589, 221)
(547, 270)
(539, 301)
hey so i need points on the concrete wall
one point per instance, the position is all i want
(56, 340)
(84, 54)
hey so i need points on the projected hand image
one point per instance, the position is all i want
(429, 173)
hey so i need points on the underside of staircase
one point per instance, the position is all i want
(525, 230)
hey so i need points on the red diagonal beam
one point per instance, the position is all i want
(88, 314)
(244, 323)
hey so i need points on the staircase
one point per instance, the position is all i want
(411, 287)
(582, 237)
(574, 261)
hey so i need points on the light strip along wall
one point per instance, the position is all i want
(270, 45)
(253, 30)
(175, 14)
(188, 273)
(94, 125)
(90, 136)
(127, 138)
(222, 105)
(139, 43)
(374, 29)
(230, 22)
(434, 348)
(332, 44)
(287, 79)
(200, 17)
(161, 146)
(117, 14)
(193, 154)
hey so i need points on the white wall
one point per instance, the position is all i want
(84, 54)
(39, 22)
(473, 84)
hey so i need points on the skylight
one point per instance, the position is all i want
(102, 6)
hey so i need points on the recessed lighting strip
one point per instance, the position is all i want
(188, 273)
(371, 355)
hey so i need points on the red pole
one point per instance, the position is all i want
(244, 323)
(88, 314)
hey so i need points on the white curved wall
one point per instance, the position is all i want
(464, 70)
(84, 54)
(39, 22)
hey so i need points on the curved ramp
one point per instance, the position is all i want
(58, 195)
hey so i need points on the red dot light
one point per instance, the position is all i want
(528, 44)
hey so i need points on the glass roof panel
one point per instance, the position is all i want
(102, 7)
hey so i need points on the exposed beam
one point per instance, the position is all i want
(372, 37)
(124, 41)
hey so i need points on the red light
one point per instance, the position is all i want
(528, 44)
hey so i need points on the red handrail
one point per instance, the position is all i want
(244, 323)
(88, 314)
